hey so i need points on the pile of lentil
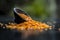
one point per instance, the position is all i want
(29, 25)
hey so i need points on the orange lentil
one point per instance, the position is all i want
(29, 25)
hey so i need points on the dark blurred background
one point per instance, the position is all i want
(47, 11)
